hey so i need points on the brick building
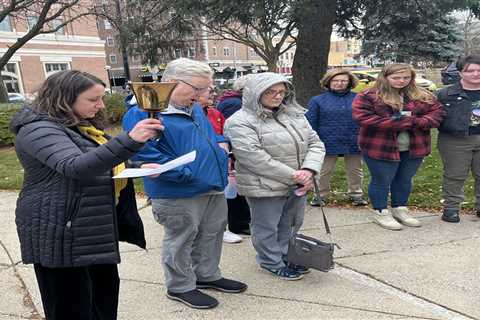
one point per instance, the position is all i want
(220, 54)
(76, 46)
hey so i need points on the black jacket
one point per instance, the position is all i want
(458, 107)
(66, 214)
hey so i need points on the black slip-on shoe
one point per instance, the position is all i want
(224, 285)
(450, 216)
(358, 201)
(194, 299)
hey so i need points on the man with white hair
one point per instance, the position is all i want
(188, 200)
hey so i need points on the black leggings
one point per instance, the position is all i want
(79, 293)
(238, 214)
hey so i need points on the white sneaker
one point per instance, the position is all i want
(402, 216)
(385, 220)
(230, 237)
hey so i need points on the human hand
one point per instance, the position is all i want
(151, 166)
(146, 129)
(302, 177)
(305, 188)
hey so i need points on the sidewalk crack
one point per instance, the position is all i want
(27, 298)
(372, 281)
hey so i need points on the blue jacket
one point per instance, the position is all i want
(230, 105)
(183, 133)
(330, 115)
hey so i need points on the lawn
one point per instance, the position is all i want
(427, 187)
(426, 192)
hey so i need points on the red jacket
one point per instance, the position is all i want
(216, 119)
(380, 125)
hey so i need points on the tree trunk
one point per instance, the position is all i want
(3, 90)
(313, 45)
(272, 66)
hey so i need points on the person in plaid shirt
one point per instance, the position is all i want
(395, 118)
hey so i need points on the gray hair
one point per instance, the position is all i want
(240, 83)
(185, 69)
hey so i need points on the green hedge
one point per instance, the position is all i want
(114, 110)
(7, 110)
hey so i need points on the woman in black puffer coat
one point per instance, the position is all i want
(71, 214)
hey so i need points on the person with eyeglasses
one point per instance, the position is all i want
(277, 154)
(330, 115)
(188, 201)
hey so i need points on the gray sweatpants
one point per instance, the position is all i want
(459, 156)
(192, 244)
(271, 226)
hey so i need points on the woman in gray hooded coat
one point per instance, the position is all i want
(277, 153)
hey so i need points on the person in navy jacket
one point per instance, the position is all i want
(188, 200)
(330, 115)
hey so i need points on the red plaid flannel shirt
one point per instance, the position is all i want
(380, 125)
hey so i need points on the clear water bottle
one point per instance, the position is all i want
(231, 188)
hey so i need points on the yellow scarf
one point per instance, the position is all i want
(99, 137)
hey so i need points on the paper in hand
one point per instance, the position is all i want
(139, 172)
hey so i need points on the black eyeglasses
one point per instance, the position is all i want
(197, 89)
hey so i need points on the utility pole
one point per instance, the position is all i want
(123, 44)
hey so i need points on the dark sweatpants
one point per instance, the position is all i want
(238, 214)
(79, 293)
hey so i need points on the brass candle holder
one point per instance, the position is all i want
(153, 97)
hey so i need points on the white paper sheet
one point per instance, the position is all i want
(139, 172)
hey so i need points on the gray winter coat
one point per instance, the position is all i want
(66, 214)
(270, 146)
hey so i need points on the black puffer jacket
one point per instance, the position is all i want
(66, 213)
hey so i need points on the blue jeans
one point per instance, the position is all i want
(393, 177)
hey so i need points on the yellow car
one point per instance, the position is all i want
(368, 77)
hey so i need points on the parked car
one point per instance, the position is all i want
(450, 74)
(15, 97)
(368, 77)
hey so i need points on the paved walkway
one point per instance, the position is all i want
(428, 273)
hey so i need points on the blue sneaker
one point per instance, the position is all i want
(285, 273)
(300, 269)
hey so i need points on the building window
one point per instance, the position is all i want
(55, 24)
(107, 24)
(110, 41)
(252, 52)
(113, 59)
(191, 52)
(52, 67)
(214, 51)
(226, 52)
(31, 22)
(178, 53)
(10, 78)
(5, 24)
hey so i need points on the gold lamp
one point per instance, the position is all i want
(153, 96)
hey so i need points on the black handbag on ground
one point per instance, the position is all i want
(310, 252)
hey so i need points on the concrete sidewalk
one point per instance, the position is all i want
(432, 272)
